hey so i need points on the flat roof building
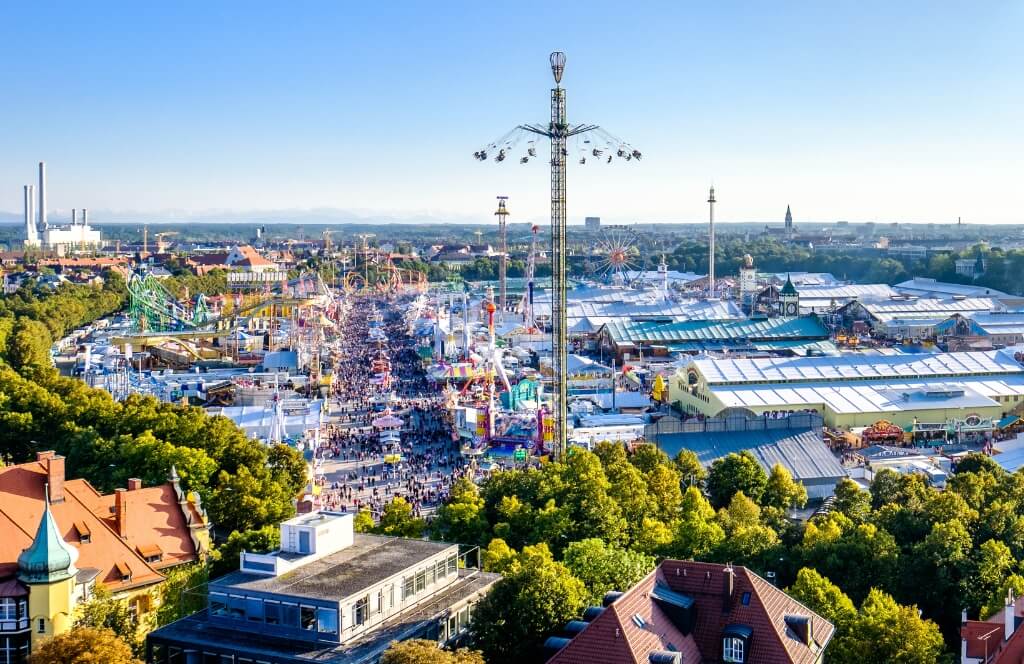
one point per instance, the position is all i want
(327, 596)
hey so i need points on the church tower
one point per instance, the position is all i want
(748, 282)
(789, 299)
(789, 223)
(48, 569)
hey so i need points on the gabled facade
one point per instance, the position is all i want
(689, 612)
(62, 539)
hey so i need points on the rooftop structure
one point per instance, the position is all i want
(927, 287)
(687, 611)
(962, 391)
(330, 596)
(692, 336)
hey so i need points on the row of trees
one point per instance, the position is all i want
(566, 533)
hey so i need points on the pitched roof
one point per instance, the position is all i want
(614, 636)
(151, 520)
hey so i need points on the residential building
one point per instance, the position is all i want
(328, 596)
(997, 640)
(688, 611)
(63, 539)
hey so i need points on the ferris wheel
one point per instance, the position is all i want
(616, 254)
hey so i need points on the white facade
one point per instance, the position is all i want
(73, 236)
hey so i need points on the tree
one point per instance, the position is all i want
(851, 501)
(885, 631)
(398, 520)
(28, 346)
(105, 612)
(424, 651)
(823, 597)
(84, 645)
(461, 519)
(663, 488)
(363, 521)
(782, 491)
(976, 462)
(228, 554)
(698, 533)
(602, 567)
(179, 596)
(690, 468)
(512, 621)
(732, 473)
(860, 558)
(499, 557)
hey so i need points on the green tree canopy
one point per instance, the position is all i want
(735, 472)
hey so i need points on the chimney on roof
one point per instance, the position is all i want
(121, 512)
(1008, 618)
(54, 476)
(728, 587)
(134, 484)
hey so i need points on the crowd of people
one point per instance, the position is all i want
(359, 469)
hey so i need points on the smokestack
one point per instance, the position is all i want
(85, 216)
(74, 217)
(31, 238)
(121, 512)
(42, 194)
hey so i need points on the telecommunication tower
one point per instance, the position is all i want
(590, 142)
(502, 215)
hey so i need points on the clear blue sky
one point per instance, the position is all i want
(868, 110)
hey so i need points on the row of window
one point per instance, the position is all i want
(173, 655)
(428, 576)
(271, 612)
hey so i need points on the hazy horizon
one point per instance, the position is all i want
(873, 111)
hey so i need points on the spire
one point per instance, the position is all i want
(50, 558)
(788, 288)
(789, 218)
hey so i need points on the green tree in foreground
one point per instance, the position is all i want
(423, 651)
(885, 632)
(732, 473)
(104, 612)
(257, 541)
(398, 520)
(603, 567)
(461, 519)
(512, 621)
(823, 597)
(85, 645)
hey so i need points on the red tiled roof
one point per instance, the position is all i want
(614, 637)
(154, 517)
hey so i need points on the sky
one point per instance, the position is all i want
(864, 110)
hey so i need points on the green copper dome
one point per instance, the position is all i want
(50, 558)
(788, 288)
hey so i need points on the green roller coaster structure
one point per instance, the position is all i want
(153, 308)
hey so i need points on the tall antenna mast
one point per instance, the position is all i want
(599, 146)
(502, 215)
(711, 244)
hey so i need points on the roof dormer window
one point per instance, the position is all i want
(733, 649)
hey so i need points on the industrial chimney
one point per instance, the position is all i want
(74, 217)
(42, 194)
(85, 216)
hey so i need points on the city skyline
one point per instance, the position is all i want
(873, 113)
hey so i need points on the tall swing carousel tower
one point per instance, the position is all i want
(590, 142)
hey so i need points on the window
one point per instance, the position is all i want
(442, 569)
(391, 595)
(421, 580)
(453, 564)
(407, 590)
(272, 613)
(218, 604)
(290, 615)
(327, 621)
(254, 609)
(431, 575)
(8, 608)
(463, 618)
(307, 617)
(236, 607)
(361, 610)
(379, 601)
(41, 626)
(732, 649)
